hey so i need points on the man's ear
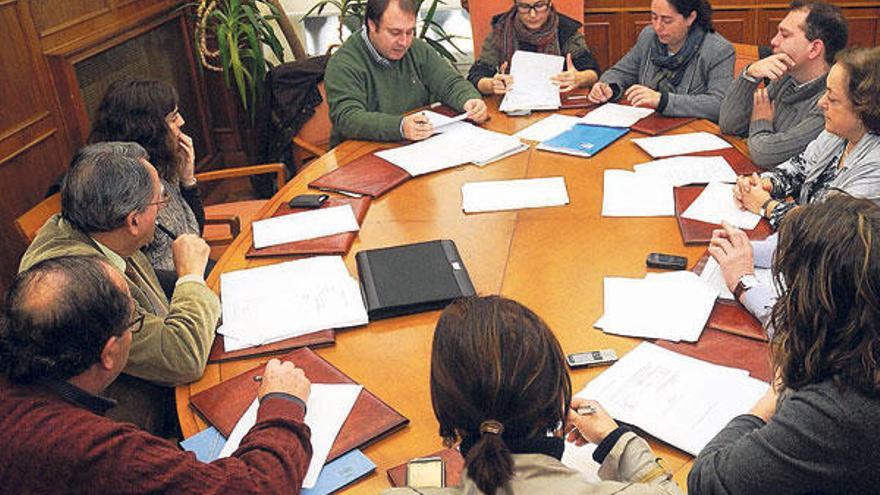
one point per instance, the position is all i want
(817, 49)
(110, 354)
(371, 26)
(134, 223)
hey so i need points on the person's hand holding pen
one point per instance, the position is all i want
(416, 127)
(588, 422)
(476, 110)
(284, 377)
(502, 82)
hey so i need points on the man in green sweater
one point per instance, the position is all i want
(109, 202)
(382, 72)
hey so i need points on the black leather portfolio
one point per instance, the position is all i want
(412, 278)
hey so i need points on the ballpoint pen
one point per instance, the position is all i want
(166, 230)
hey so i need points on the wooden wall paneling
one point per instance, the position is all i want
(50, 17)
(32, 138)
(601, 32)
(864, 26)
(767, 24)
(632, 25)
(738, 26)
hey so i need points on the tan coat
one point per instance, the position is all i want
(172, 349)
(630, 461)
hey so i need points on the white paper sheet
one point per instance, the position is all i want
(615, 115)
(683, 170)
(712, 275)
(678, 399)
(628, 194)
(716, 203)
(581, 459)
(548, 127)
(672, 306)
(274, 302)
(681, 144)
(304, 225)
(463, 144)
(327, 409)
(513, 194)
(532, 88)
(441, 123)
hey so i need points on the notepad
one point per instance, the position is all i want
(548, 127)
(583, 140)
(327, 409)
(615, 115)
(478, 197)
(441, 123)
(716, 204)
(683, 170)
(681, 144)
(629, 194)
(304, 225)
(678, 399)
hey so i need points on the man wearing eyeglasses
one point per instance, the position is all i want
(384, 71)
(110, 198)
(66, 331)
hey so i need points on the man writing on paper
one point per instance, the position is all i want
(781, 119)
(66, 331)
(110, 199)
(382, 72)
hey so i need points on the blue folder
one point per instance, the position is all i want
(583, 140)
(338, 474)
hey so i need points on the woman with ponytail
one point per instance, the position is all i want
(500, 391)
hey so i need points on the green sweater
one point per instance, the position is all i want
(171, 349)
(367, 99)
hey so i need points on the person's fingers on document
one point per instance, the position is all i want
(477, 110)
(416, 127)
(284, 377)
(591, 428)
(600, 93)
(501, 83)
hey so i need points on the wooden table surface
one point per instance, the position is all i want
(553, 260)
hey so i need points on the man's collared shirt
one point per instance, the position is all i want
(372, 49)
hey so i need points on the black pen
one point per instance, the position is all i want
(166, 230)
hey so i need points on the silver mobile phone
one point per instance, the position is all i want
(591, 358)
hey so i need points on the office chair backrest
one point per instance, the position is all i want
(30, 222)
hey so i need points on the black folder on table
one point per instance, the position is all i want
(412, 278)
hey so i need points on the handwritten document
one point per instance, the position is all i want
(716, 203)
(304, 225)
(678, 399)
(681, 144)
(532, 88)
(615, 115)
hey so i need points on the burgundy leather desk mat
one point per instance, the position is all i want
(315, 339)
(453, 464)
(696, 232)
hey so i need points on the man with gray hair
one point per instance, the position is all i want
(109, 202)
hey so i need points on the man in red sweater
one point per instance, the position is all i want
(65, 334)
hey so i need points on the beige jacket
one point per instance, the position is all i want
(172, 349)
(630, 468)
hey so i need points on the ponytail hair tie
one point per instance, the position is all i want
(492, 427)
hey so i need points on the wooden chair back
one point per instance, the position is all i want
(745, 55)
(32, 220)
(482, 11)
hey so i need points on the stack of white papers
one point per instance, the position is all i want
(304, 225)
(631, 194)
(712, 275)
(464, 143)
(681, 144)
(276, 302)
(614, 115)
(499, 195)
(716, 204)
(672, 306)
(532, 88)
(548, 127)
(683, 170)
(327, 409)
(678, 399)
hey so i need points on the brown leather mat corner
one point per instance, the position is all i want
(696, 232)
(368, 175)
(370, 419)
(320, 338)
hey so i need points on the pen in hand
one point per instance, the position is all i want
(166, 230)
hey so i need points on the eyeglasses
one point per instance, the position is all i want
(164, 198)
(136, 325)
(539, 7)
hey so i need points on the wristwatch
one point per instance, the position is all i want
(764, 206)
(746, 282)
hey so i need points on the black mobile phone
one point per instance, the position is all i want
(426, 472)
(308, 200)
(666, 261)
(591, 358)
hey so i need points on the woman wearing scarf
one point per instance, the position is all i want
(533, 26)
(679, 66)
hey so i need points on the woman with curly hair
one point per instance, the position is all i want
(817, 430)
(146, 112)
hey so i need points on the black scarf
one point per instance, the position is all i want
(671, 68)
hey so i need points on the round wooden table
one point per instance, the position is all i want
(552, 259)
